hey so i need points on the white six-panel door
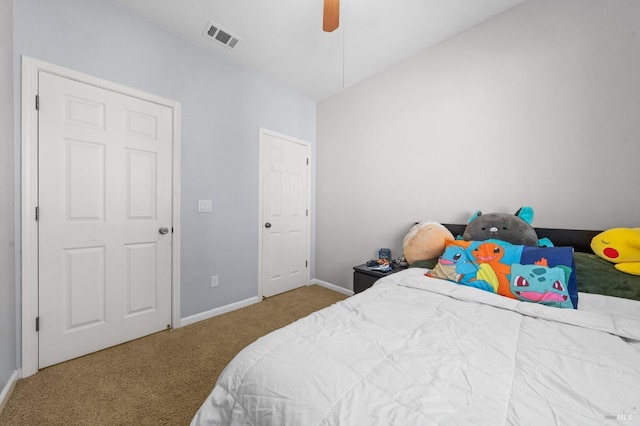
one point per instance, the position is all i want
(105, 182)
(285, 220)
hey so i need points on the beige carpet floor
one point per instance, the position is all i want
(160, 379)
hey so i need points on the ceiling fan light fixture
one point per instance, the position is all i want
(331, 15)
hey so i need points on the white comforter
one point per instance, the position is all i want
(414, 350)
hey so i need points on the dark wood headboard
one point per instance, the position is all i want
(579, 239)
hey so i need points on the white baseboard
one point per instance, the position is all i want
(6, 391)
(332, 287)
(243, 303)
(218, 311)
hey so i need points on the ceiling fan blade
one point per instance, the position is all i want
(331, 16)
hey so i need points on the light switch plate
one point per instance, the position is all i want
(205, 206)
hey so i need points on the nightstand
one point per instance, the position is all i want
(363, 277)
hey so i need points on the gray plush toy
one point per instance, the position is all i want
(514, 228)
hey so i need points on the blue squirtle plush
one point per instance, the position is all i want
(513, 228)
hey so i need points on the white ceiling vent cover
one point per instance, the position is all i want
(222, 36)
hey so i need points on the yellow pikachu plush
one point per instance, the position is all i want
(620, 246)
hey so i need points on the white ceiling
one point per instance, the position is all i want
(283, 39)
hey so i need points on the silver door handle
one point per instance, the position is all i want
(163, 230)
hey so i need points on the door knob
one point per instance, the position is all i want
(267, 225)
(163, 230)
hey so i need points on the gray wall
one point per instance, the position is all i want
(223, 107)
(538, 106)
(7, 283)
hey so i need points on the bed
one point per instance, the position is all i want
(418, 350)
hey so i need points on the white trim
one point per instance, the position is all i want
(8, 388)
(29, 193)
(175, 213)
(333, 287)
(30, 69)
(218, 311)
(263, 132)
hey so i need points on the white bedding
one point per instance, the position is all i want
(414, 350)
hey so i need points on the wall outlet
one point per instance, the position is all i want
(205, 206)
(214, 281)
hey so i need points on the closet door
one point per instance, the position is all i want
(285, 213)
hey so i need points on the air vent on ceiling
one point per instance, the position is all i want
(215, 32)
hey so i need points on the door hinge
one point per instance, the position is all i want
(306, 263)
(37, 323)
(37, 213)
(307, 212)
(307, 161)
(37, 102)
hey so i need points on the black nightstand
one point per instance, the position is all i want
(363, 277)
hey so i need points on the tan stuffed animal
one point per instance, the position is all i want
(425, 240)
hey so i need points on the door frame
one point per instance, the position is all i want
(29, 194)
(264, 132)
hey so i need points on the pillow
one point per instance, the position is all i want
(428, 264)
(596, 275)
(542, 275)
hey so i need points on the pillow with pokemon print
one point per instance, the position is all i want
(544, 275)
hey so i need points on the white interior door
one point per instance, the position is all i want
(105, 194)
(285, 213)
